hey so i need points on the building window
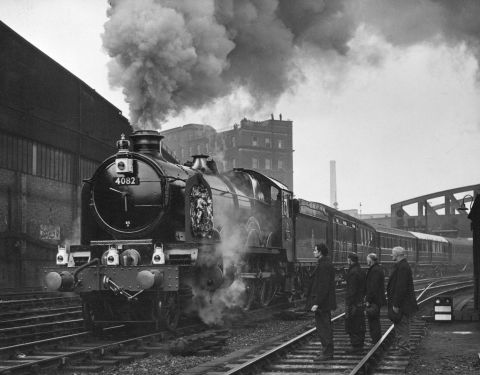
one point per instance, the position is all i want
(254, 141)
(280, 143)
(199, 150)
(268, 164)
(234, 143)
(268, 143)
(254, 163)
(207, 148)
(280, 164)
(234, 163)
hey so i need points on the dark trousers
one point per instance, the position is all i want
(402, 332)
(355, 325)
(374, 328)
(323, 323)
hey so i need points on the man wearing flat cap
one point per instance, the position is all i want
(402, 303)
(354, 310)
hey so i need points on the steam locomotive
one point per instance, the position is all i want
(157, 236)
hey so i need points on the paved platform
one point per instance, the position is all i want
(449, 347)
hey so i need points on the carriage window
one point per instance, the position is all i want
(242, 181)
(275, 194)
(257, 190)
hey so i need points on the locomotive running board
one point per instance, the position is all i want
(122, 242)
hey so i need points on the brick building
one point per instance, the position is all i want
(265, 146)
(54, 131)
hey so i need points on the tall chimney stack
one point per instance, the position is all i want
(333, 185)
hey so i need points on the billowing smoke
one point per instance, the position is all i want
(410, 22)
(169, 56)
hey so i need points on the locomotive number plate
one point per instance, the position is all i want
(120, 181)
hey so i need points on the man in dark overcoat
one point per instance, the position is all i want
(322, 300)
(374, 296)
(354, 309)
(401, 298)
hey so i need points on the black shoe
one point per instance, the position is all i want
(323, 357)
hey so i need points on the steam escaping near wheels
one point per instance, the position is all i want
(213, 308)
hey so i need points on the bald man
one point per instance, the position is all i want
(401, 298)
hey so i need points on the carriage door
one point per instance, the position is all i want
(287, 224)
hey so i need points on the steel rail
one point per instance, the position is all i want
(62, 358)
(277, 349)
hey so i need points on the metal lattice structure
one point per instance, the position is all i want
(436, 213)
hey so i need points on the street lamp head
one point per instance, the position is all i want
(463, 207)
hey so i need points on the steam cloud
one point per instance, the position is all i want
(169, 55)
(215, 307)
(173, 55)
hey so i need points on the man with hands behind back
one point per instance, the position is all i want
(321, 298)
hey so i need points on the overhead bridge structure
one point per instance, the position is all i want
(442, 213)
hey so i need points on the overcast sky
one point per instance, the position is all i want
(401, 118)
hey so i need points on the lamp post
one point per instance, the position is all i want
(426, 216)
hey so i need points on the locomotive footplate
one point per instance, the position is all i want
(132, 278)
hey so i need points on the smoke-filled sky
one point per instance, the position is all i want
(389, 89)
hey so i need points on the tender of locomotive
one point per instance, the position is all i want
(156, 235)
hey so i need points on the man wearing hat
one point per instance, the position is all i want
(354, 310)
(321, 299)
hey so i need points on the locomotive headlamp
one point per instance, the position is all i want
(110, 257)
(130, 257)
(124, 165)
(158, 256)
(62, 256)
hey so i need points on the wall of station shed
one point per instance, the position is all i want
(54, 131)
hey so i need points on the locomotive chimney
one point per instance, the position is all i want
(147, 142)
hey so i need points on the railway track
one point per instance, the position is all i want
(31, 317)
(48, 334)
(295, 356)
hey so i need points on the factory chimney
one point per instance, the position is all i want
(333, 185)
